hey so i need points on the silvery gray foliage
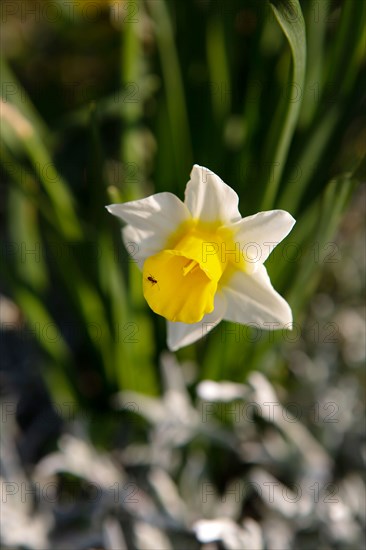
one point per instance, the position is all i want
(159, 494)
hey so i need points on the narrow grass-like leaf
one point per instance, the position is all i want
(344, 59)
(29, 261)
(289, 16)
(175, 97)
(97, 195)
(131, 110)
(218, 67)
(85, 300)
(330, 209)
(39, 317)
(42, 325)
(13, 92)
(317, 17)
(16, 124)
(27, 184)
(298, 180)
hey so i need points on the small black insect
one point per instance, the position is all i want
(152, 280)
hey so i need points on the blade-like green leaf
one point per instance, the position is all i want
(13, 92)
(29, 261)
(317, 28)
(175, 97)
(330, 206)
(17, 128)
(218, 67)
(317, 142)
(289, 16)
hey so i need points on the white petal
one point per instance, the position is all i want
(151, 221)
(137, 245)
(251, 299)
(259, 234)
(183, 334)
(209, 198)
(161, 212)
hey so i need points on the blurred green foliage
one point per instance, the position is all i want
(114, 101)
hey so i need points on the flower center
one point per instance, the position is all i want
(190, 266)
(180, 282)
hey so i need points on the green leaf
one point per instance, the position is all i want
(310, 156)
(326, 214)
(218, 66)
(29, 263)
(173, 81)
(13, 92)
(289, 16)
(18, 132)
(318, 14)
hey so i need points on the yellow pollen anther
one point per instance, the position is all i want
(190, 266)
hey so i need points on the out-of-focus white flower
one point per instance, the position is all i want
(201, 261)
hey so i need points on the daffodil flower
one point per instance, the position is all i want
(201, 261)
